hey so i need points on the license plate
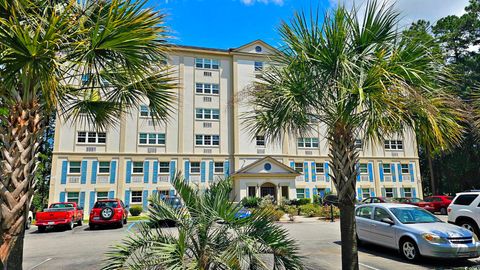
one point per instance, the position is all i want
(51, 223)
(473, 254)
(96, 218)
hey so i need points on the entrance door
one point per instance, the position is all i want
(267, 191)
(285, 192)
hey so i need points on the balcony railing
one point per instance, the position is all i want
(103, 179)
(164, 178)
(195, 179)
(406, 177)
(137, 179)
(300, 178)
(388, 178)
(364, 178)
(73, 179)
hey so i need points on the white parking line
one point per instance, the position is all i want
(368, 266)
(37, 265)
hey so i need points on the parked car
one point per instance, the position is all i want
(243, 213)
(330, 199)
(439, 203)
(417, 202)
(465, 211)
(65, 214)
(376, 200)
(28, 224)
(414, 232)
(175, 202)
(108, 212)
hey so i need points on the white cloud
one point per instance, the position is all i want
(413, 10)
(251, 2)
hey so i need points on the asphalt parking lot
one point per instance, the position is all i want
(319, 242)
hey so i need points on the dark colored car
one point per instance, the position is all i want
(330, 200)
(377, 200)
(108, 212)
(175, 202)
(439, 203)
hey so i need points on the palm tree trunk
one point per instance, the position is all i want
(20, 136)
(432, 176)
(344, 159)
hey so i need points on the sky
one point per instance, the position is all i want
(231, 23)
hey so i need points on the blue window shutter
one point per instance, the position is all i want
(307, 193)
(357, 166)
(292, 164)
(402, 192)
(146, 168)
(412, 172)
(172, 170)
(322, 192)
(91, 199)
(203, 171)
(383, 192)
(113, 171)
(380, 170)
(314, 173)
(327, 190)
(155, 172)
(210, 171)
(145, 200)
(359, 194)
(83, 177)
(327, 170)
(111, 194)
(314, 191)
(394, 175)
(155, 193)
(172, 192)
(372, 192)
(370, 172)
(128, 177)
(400, 177)
(226, 168)
(62, 196)
(187, 170)
(414, 193)
(94, 172)
(63, 180)
(82, 199)
(305, 171)
(127, 197)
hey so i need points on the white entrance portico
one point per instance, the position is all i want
(266, 176)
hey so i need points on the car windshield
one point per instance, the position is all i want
(415, 200)
(112, 204)
(412, 215)
(62, 205)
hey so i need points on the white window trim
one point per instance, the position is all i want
(401, 168)
(386, 193)
(211, 115)
(149, 112)
(257, 140)
(295, 167)
(296, 193)
(405, 192)
(389, 167)
(137, 173)
(363, 173)
(148, 139)
(199, 167)
(396, 145)
(311, 142)
(168, 166)
(141, 197)
(68, 168)
(78, 196)
(215, 167)
(86, 138)
(211, 89)
(211, 63)
(203, 140)
(97, 198)
(103, 173)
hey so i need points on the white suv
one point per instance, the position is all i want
(465, 210)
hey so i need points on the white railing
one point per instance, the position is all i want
(137, 179)
(364, 178)
(387, 178)
(195, 179)
(164, 178)
(406, 177)
(300, 178)
(103, 179)
(73, 179)
(321, 177)
(216, 178)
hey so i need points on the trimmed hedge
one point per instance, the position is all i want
(135, 210)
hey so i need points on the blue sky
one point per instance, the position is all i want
(229, 23)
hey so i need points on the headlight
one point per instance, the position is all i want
(433, 238)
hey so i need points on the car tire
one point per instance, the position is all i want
(41, 229)
(469, 225)
(80, 222)
(443, 211)
(70, 225)
(409, 250)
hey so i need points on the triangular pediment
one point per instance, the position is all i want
(256, 47)
(267, 165)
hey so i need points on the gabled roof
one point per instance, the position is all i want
(263, 43)
(245, 170)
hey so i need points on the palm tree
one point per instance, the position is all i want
(208, 235)
(360, 79)
(89, 61)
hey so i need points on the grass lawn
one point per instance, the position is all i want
(141, 217)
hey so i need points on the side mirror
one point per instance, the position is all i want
(388, 221)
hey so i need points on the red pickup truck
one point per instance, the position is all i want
(60, 214)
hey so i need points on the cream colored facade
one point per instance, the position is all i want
(135, 159)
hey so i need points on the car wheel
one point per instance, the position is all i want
(469, 225)
(409, 250)
(70, 225)
(443, 211)
(28, 224)
(41, 229)
(80, 222)
(120, 224)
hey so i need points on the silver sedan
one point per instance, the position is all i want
(414, 232)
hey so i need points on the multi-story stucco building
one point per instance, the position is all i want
(206, 139)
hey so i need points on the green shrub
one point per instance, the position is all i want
(317, 199)
(267, 201)
(304, 201)
(291, 212)
(326, 214)
(250, 202)
(275, 213)
(135, 210)
(310, 210)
